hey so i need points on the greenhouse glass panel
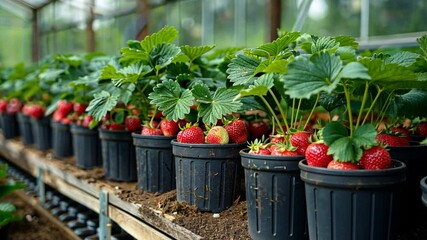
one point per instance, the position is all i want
(256, 25)
(17, 32)
(224, 15)
(397, 16)
(190, 22)
(324, 17)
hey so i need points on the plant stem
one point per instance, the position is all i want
(372, 104)
(292, 112)
(272, 112)
(365, 97)
(384, 108)
(312, 110)
(280, 109)
(350, 115)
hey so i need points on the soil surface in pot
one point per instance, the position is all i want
(231, 223)
(34, 226)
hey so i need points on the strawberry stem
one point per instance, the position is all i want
(280, 109)
(312, 110)
(372, 104)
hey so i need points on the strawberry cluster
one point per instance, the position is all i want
(10, 107)
(234, 131)
(373, 158)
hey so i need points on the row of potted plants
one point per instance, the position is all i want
(331, 143)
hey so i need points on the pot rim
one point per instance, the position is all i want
(138, 135)
(206, 145)
(397, 166)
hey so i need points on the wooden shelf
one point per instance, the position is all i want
(150, 225)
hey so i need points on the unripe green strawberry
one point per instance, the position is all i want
(375, 158)
(193, 134)
(217, 135)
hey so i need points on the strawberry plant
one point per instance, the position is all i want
(128, 81)
(6, 187)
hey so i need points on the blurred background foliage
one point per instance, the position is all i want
(62, 25)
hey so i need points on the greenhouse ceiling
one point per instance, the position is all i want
(24, 8)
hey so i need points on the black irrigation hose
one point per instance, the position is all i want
(81, 220)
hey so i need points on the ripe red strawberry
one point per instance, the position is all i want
(3, 105)
(86, 120)
(192, 134)
(375, 158)
(58, 116)
(13, 106)
(259, 148)
(422, 129)
(342, 165)
(116, 126)
(258, 129)
(151, 131)
(300, 140)
(237, 131)
(317, 155)
(132, 123)
(402, 131)
(217, 135)
(169, 127)
(64, 107)
(79, 108)
(67, 120)
(36, 111)
(392, 140)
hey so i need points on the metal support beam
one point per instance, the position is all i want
(104, 220)
(90, 33)
(364, 20)
(302, 14)
(35, 36)
(41, 191)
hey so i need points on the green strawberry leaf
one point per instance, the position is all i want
(170, 99)
(163, 54)
(334, 131)
(405, 59)
(265, 80)
(364, 136)
(102, 103)
(330, 101)
(131, 55)
(345, 150)
(409, 104)
(221, 103)
(280, 44)
(348, 148)
(347, 41)
(324, 44)
(307, 77)
(355, 70)
(277, 66)
(167, 34)
(242, 69)
(422, 41)
(195, 52)
(252, 90)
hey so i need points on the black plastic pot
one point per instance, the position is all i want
(275, 197)
(87, 147)
(423, 185)
(9, 125)
(118, 155)
(207, 175)
(353, 204)
(62, 141)
(42, 133)
(415, 158)
(417, 138)
(155, 163)
(25, 129)
(5, 232)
